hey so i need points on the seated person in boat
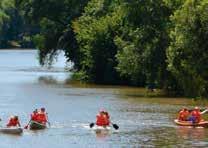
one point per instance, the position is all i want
(103, 118)
(183, 114)
(13, 121)
(196, 115)
(42, 116)
(34, 115)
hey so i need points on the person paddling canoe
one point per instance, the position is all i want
(13, 122)
(183, 114)
(196, 115)
(103, 118)
(42, 116)
(34, 115)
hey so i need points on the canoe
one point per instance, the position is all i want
(11, 130)
(189, 123)
(99, 129)
(36, 125)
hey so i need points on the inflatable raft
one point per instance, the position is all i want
(189, 123)
(11, 130)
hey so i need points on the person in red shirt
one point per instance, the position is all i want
(13, 121)
(41, 116)
(103, 118)
(183, 115)
(196, 115)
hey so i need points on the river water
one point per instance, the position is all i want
(144, 122)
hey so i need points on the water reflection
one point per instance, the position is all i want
(143, 121)
(196, 133)
(47, 80)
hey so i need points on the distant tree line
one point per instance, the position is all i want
(162, 44)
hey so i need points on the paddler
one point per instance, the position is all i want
(103, 118)
(183, 114)
(196, 115)
(13, 121)
(42, 116)
(34, 115)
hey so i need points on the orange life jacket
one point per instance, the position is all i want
(34, 116)
(197, 115)
(41, 117)
(183, 115)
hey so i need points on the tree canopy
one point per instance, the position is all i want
(143, 43)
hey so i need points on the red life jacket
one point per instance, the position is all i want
(41, 117)
(197, 115)
(183, 115)
(34, 116)
(102, 120)
(12, 122)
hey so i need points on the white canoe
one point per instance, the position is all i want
(99, 129)
(11, 130)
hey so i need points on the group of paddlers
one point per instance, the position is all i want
(191, 115)
(39, 116)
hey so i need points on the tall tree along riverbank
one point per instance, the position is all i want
(160, 44)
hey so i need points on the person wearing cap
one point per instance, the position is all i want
(196, 115)
(183, 114)
(13, 121)
(103, 118)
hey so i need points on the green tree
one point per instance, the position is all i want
(187, 54)
(95, 32)
(54, 19)
(143, 43)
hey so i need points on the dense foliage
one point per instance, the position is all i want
(150, 43)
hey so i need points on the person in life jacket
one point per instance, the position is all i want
(183, 114)
(34, 115)
(13, 121)
(41, 116)
(103, 118)
(196, 115)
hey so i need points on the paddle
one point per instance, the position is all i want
(115, 126)
(26, 127)
(49, 124)
(92, 124)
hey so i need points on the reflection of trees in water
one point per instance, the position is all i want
(47, 80)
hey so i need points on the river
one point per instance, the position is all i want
(143, 122)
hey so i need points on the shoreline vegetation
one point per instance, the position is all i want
(157, 45)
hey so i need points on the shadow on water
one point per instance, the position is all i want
(48, 80)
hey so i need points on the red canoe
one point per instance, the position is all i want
(189, 123)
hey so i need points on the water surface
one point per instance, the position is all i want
(143, 121)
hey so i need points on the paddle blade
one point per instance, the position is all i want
(92, 124)
(26, 127)
(116, 126)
